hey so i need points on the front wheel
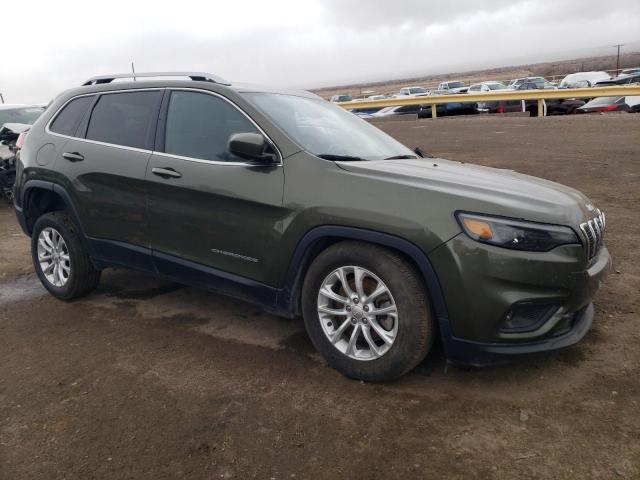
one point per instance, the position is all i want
(366, 311)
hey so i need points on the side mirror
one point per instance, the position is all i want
(253, 147)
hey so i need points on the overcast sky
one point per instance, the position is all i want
(49, 46)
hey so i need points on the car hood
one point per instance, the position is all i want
(482, 189)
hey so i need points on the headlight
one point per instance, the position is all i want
(515, 234)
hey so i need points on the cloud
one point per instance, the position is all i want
(383, 13)
(299, 44)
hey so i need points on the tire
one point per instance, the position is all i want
(411, 331)
(76, 275)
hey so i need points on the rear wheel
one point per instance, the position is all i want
(366, 311)
(60, 259)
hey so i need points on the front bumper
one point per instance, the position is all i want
(482, 283)
(478, 354)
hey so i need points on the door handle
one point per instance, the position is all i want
(166, 172)
(73, 156)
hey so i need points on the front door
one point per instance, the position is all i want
(207, 207)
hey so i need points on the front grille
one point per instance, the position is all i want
(594, 233)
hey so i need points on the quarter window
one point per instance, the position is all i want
(68, 120)
(126, 119)
(199, 126)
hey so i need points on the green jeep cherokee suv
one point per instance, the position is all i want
(285, 200)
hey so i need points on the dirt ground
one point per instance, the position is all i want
(147, 379)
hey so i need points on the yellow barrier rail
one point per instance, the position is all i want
(504, 95)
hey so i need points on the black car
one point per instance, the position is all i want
(611, 104)
(554, 107)
(449, 109)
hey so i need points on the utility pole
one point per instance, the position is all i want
(618, 57)
(1, 98)
(133, 70)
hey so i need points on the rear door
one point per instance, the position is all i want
(207, 206)
(105, 164)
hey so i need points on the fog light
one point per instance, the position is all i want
(527, 316)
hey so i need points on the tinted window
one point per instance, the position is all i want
(199, 126)
(67, 121)
(124, 118)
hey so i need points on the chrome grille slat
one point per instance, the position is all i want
(593, 231)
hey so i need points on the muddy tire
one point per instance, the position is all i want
(366, 311)
(60, 259)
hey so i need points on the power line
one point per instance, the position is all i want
(618, 57)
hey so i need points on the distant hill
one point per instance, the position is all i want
(551, 70)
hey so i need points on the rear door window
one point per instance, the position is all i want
(199, 126)
(68, 120)
(126, 119)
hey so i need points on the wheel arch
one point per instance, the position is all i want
(320, 238)
(39, 197)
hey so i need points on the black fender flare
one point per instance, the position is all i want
(307, 248)
(55, 188)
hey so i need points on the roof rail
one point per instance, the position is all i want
(195, 76)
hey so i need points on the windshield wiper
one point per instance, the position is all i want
(338, 158)
(401, 157)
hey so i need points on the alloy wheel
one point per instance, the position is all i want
(358, 313)
(53, 256)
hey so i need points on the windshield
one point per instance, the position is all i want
(455, 84)
(26, 115)
(496, 86)
(418, 90)
(325, 129)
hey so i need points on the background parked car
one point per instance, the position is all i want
(397, 110)
(620, 80)
(14, 120)
(365, 112)
(612, 104)
(634, 103)
(424, 111)
(535, 85)
(453, 87)
(554, 107)
(630, 71)
(413, 91)
(583, 79)
(341, 98)
(517, 81)
(16, 113)
(11, 139)
(449, 110)
(487, 87)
